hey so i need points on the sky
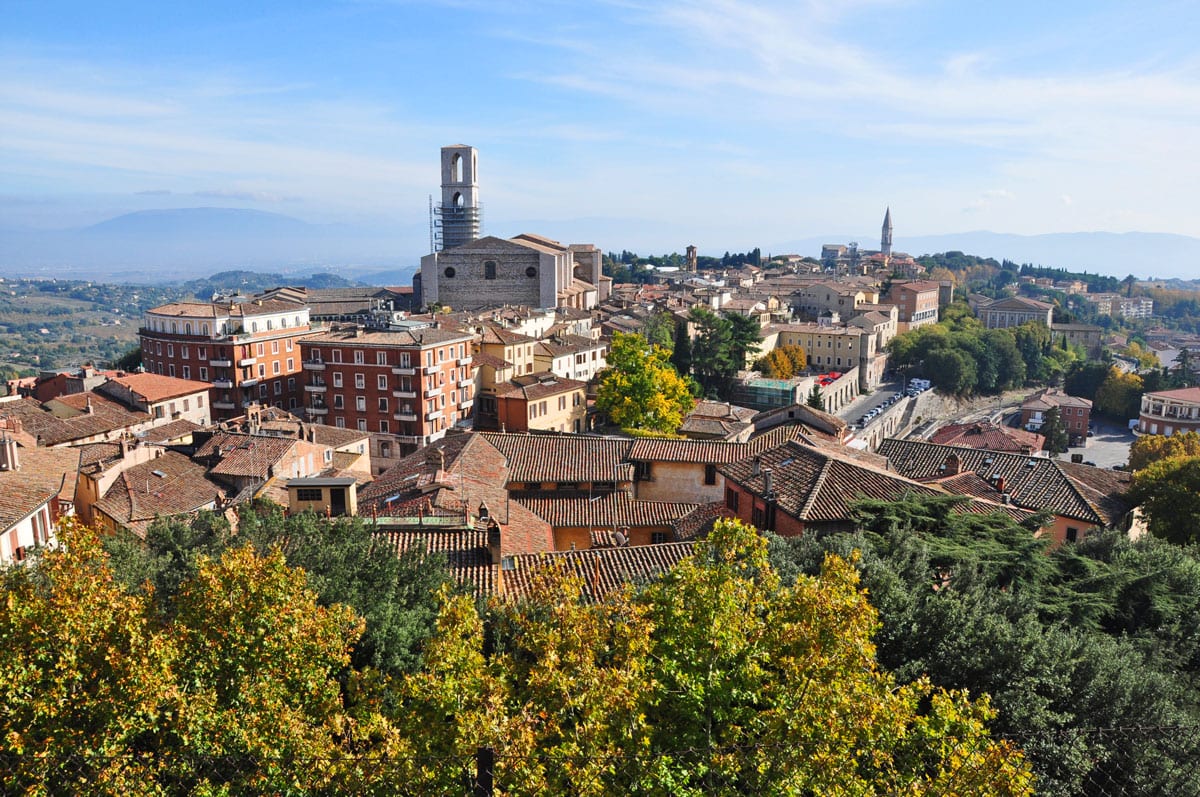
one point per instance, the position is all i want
(718, 122)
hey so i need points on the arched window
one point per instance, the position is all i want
(456, 169)
(269, 324)
(187, 328)
(253, 326)
(458, 199)
(489, 270)
(174, 329)
(204, 329)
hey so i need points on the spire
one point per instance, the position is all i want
(885, 243)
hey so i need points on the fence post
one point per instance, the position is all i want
(485, 763)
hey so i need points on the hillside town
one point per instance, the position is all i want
(520, 428)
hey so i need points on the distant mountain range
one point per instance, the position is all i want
(174, 245)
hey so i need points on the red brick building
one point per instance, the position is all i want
(407, 386)
(247, 350)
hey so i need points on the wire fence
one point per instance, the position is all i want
(1101, 762)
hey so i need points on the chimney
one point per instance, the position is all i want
(953, 465)
(435, 458)
(9, 458)
(768, 483)
(756, 468)
(88, 405)
(1000, 485)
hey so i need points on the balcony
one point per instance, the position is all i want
(221, 363)
(410, 439)
(404, 370)
(466, 382)
(463, 360)
(433, 416)
(245, 361)
(466, 405)
(223, 405)
(433, 392)
(318, 387)
(405, 416)
(223, 383)
(404, 393)
(318, 412)
(430, 369)
(313, 365)
(249, 382)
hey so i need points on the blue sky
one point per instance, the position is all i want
(719, 122)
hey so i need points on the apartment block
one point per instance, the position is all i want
(408, 385)
(246, 350)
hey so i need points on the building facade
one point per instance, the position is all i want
(248, 351)
(1014, 311)
(917, 303)
(1169, 412)
(409, 385)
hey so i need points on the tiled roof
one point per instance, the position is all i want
(697, 523)
(242, 455)
(473, 473)
(603, 570)
(537, 386)
(563, 458)
(170, 484)
(106, 416)
(483, 358)
(421, 337)
(156, 387)
(465, 550)
(661, 449)
(493, 334)
(989, 436)
(1053, 397)
(1181, 394)
(171, 431)
(1035, 483)
(43, 474)
(611, 510)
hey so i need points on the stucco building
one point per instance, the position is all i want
(1169, 412)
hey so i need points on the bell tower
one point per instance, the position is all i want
(885, 243)
(456, 221)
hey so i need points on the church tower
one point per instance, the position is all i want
(885, 243)
(456, 221)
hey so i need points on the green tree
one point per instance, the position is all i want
(1085, 377)
(1169, 492)
(712, 354)
(951, 371)
(745, 338)
(681, 354)
(815, 399)
(639, 390)
(659, 329)
(1054, 432)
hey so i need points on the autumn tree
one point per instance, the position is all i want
(1150, 448)
(639, 390)
(1119, 395)
(782, 362)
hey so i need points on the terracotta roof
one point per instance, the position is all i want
(699, 522)
(611, 510)
(1053, 397)
(107, 416)
(43, 474)
(473, 473)
(465, 550)
(421, 337)
(171, 432)
(242, 455)
(537, 386)
(563, 458)
(661, 449)
(170, 484)
(603, 570)
(156, 387)
(495, 335)
(1181, 394)
(483, 358)
(1035, 483)
(989, 436)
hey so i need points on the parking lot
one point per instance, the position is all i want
(1108, 446)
